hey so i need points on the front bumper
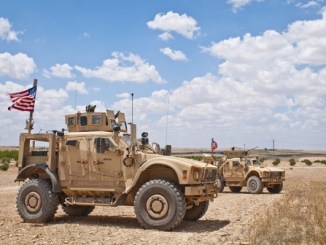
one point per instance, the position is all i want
(273, 180)
(201, 190)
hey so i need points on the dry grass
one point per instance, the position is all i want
(298, 218)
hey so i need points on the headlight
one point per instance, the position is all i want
(196, 175)
(266, 174)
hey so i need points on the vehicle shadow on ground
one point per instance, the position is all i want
(202, 226)
(100, 220)
(132, 223)
(247, 192)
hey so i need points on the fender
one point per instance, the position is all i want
(160, 161)
(29, 170)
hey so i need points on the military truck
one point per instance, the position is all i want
(238, 170)
(96, 162)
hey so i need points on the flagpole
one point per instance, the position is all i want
(30, 123)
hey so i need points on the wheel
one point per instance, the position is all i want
(220, 185)
(36, 203)
(196, 211)
(276, 188)
(159, 204)
(235, 189)
(254, 185)
(75, 210)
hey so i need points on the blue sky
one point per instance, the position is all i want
(244, 72)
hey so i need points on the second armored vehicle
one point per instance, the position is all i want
(239, 170)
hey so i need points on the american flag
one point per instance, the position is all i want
(23, 101)
(213, 144)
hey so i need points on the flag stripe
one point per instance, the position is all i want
(24, 100)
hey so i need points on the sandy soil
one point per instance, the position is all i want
(225, 222)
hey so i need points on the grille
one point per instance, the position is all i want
(210, 175)
(276, 174)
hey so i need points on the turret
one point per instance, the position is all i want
(96, 121)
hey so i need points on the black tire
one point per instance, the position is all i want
(159, 204)
(254, 185)
(276, 188)
(196, 211)
(220, 185)
(75, 210)
(36, 203)
(235, 189)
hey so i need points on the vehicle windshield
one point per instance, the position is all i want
(127, 139)
(253, 161)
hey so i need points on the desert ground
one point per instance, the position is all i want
(226, 222)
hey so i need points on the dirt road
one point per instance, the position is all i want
(226, 221)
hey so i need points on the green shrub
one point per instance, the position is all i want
(4, 163)
(4, 166)
(292, 162)
(307, 162)
(276, 161)
(261, 160)
(320, 161)
(13, 154)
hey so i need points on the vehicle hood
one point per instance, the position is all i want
(180, 161)
(270, 169)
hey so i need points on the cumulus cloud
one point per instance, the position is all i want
(238, 4)
(173, 22)
(75, 86)
(123, 68)
(58, 70)
(174, 54)
(269, 86)
(308, 4)
(18, 66)
(6, 32)
(165, 36)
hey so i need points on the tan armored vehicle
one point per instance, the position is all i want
(239, 170)
(98, 163)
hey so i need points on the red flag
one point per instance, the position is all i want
(213, 144)
(23, 101)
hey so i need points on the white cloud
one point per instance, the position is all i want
(75, 86)
(18, 66)
(174, 54)
(63, 71)
(267, 87)
(238, 4)
(173, 22)
(123, 68)
(165, 36)
(6, 33)
(123, 95)
(308, 4)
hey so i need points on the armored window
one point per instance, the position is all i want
(123, 126)
(71, 121)
(103, 144)
(236, 164)
(71, 142)
(96, 119)
(83, 120)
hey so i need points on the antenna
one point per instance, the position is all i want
(132, 108)
(167, 122)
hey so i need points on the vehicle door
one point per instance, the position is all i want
(107, 162)
(74, 160)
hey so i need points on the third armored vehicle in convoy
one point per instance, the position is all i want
(239, 170)
(98, 163)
